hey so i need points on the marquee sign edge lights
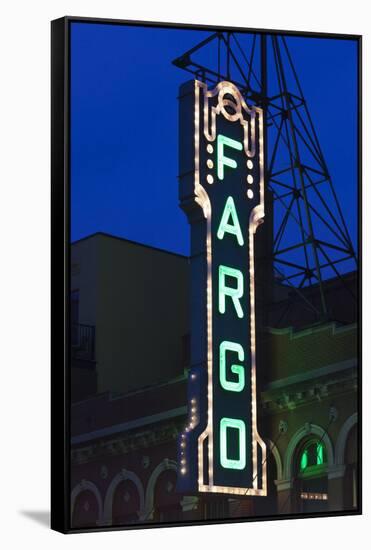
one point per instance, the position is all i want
(256, 218)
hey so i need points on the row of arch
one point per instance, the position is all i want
(335, 455)
(146, 498)
(285, 471)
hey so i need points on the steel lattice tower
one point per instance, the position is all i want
(308, 240)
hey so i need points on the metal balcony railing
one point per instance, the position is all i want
(83, 342)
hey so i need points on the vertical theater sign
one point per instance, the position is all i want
(222, 193)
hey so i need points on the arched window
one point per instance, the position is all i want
(351, 471)
(311, 476)
(86, 510)
(312, 456)
(125, 504)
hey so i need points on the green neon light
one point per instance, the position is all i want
(236, 369)
(234, 293)
(221, 159)
(231, 463)
(319, 454)
(304, 460)
(225, 227)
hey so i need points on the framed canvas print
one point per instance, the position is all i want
(205, 274)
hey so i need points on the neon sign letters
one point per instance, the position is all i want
(222, 193)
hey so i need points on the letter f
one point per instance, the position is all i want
(223, 160)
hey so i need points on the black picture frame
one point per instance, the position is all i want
(61, 279)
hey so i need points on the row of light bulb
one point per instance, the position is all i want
(188, 428)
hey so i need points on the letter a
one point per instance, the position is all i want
(225, 227)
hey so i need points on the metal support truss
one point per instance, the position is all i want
(310, 243)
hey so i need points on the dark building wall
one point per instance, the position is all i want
(138, 303)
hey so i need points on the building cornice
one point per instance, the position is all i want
(310, 386)
(334, 368)
(127, 426)
(127, 442)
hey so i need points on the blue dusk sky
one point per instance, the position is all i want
(124, 127)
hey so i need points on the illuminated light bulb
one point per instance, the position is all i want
(209, 178)
(183, 471)
(210, 163)
(250, 164)
(182, 445)
(250, 179)
(250, 193)
(210, 148)
(193, 409)
(193, 376)
(193, 401)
